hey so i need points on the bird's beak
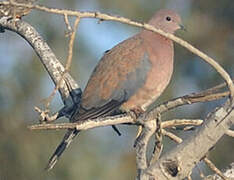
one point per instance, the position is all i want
(182, 27)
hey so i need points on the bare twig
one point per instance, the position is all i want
(69, 28)
(158, 146)
(44, 115)
(200, 172)
(108, 121)
(186, 100)
(102, 16)
(89, 124)
(181, 122)
(189, 177)
(14, 10)
(71, 44)
(230, 133)
(228, 172)
(172, 136)
(213, 168)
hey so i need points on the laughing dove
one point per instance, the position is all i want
(129, 77)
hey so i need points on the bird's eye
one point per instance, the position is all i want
(168, 18)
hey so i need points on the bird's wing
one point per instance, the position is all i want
(118, 75)
(102, 111)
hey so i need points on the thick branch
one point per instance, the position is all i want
(46, 56)
(141, 144)
(179, 161)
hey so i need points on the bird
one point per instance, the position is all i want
(129, 77)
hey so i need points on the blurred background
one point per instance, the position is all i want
(100, 154)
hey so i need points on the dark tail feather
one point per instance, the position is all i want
(68, 138)
(93, 113)
(116, 130)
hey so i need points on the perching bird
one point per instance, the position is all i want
(129, 77)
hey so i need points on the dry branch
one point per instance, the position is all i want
(141, 144)
(172, 136)
(176, 164)
(164, 107)
(107, 17)
(52, 65)
(228, 172)
(213, 168)
(187, 154)
(71, 44)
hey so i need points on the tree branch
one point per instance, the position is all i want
(52, 65)
(141, 144)
(213, 168)
(203, 96)
(107, 17)
(176, 164)
(179, 161)
(228, 172)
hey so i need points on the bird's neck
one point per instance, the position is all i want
(161, 50)
(158, 43)
(154, 37)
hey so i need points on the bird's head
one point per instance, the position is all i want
(167, 20)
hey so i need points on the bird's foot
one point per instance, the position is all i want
(136, 113)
